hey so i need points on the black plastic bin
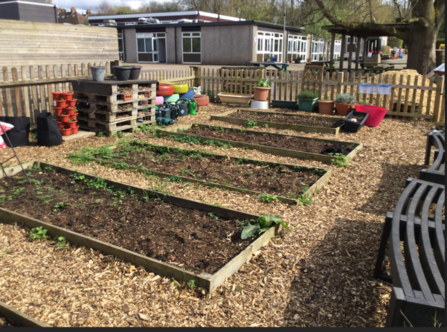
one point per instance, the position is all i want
(48, 133)
(19, 135)
(351, 126)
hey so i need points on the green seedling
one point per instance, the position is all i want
(340, 160)
(60, 241)
(250, 124)
(266, 198)
(263, 225)
(39, 233)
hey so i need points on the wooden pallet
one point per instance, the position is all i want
(109, 87)
(103, 116)
(114, 108)
(109, 128)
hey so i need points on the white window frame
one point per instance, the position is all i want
(297, 46)
(153, 36)
(268, 40)
(317, 49)
(192, 35)
(123, 53)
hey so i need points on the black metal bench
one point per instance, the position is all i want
(415, 233)
(436, 172)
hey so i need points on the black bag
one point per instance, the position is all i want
(48, 133)
(19, 135)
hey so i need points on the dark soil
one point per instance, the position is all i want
(190, 238)
(283, 142)
(277, 118)
(5, 323)
(274, 180)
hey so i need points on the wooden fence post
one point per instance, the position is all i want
(340, 75)
(197, 73)
(438, 96)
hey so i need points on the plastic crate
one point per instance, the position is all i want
(351, 126)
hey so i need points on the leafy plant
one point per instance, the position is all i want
(340, 160)
(100, 134)
(362, 102)
(250, 123)
(266, 198)
(60, 241)
(263, 225)
(263, 83)
(344, 98)
(191, 283)
(326, 99)
(305, 200)
(39, 233)
(72, 120)
(307, 94)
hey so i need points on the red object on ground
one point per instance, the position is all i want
(63, 118)
(67, 95)
(72, 124)
(202, 100)
(56, 95)
(165, 89)
(74, 116)
(61, 103)
(60, 125)
(70, 110)
(66, 132)
(72, 102)
(57, 110)
(376, 114)
(75, 130)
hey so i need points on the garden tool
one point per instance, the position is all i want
(193, 107)
(165, 121)
(183, 106)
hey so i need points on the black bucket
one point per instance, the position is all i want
(48, 133)
(135, 72)
(122, 73)
(20, 133)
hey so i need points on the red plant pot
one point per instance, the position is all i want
(72, 102)
(75, 130)
(72, 124)
(56, 95)
(69, 110)
(202, 100)
(65, 125)
(261, 94)
(74, 116)
(57, 110)
(63, 118)
(67, 95)
(66, 132)
(60, 125)
(376, 114)
(61, 103)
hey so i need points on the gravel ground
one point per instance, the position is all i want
(318, 275)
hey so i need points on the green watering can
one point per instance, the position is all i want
(193, 107)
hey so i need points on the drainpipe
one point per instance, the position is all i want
(55, 13)
(175, 36)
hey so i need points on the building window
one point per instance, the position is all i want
(192, 49)
(269, 45)
(148, 47)
(121, 46)
(296, 47)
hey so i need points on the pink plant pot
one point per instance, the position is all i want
(159, 100)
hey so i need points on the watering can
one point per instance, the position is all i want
(193, 107)
(183, 105)
(165, 121)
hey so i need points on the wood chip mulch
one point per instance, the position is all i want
(318, 275)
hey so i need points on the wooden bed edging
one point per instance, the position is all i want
(278, 125)
(264, 148)
(321, 182)
(15, 316)
(205, 280)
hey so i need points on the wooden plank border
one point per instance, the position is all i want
(321, 182)
(16, 317)
(278, 125)
(264, 148)
(205, 280)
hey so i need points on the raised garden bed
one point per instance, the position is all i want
(167, 235)
(291, 184)
(305, 123)
(15, 318)
(276, 144)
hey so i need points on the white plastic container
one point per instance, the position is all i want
(260, 105)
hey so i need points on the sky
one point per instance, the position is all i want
(92, 4)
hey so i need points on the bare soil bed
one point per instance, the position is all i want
(290, 143)
(5, 323)
(277, 118)
(240, 173)
(190, 238)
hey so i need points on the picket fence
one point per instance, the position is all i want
(26, 91)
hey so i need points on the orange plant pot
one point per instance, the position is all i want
(261, 94)
(61, 103)
(72, 102)
(67, 95)
(74, 116)
(75, 130)
(60, 125)
(63, 118)
(72, 124)
(69, 110)
(343, 109)
(66, 132)
(326, 107)
(57, 110)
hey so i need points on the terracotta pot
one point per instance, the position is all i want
(57, 110)
(343, 109)
(72, 124)
(70, 110)
(262, 94)
(66, 132)
(73, 116)
(67, 95)
(56, 95)
(61, 103)
(60, 125)
(63, 118)
(326, 107)
(72, 102)
(75, 130)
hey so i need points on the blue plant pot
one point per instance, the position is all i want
(187, 95)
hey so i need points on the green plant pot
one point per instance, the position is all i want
(307, 105)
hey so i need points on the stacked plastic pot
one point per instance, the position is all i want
(66, 112)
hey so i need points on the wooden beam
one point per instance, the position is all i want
(39, 82)
(351, 44)
(343, 47)
(357, 53)
(332, 47)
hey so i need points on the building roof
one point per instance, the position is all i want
(366, 29)
(72, 17)
(252, 22)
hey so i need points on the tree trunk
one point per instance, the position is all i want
(421, 49)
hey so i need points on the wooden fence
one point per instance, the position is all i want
(26, 91)
(185, 76)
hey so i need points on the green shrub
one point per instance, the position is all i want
(439, 42)
(362, 102)
(307, 94)
(344, 98)
(263, 83)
